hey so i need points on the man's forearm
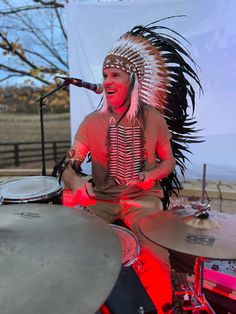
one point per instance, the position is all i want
(162, 170)
(71, 180)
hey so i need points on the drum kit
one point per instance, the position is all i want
(53, 258)
(59, 259)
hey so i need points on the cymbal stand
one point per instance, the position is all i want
(198, 302)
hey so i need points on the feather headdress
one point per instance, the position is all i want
(163, 80)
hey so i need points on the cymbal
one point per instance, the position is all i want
(212, 238)
(55, 259)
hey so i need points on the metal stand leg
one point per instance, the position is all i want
(196, 295)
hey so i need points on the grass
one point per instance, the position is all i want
(5, 116)
(15, 127)
(18, 128)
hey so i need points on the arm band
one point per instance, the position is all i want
(66, 162)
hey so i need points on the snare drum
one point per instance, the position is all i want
(31, 189)
(130, 247)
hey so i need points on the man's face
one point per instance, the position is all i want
(115, 84)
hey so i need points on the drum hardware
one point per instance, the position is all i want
(196, 296)
(205, 237)
(202, 212)
(55, 259)
(203, 183)
(202, 207)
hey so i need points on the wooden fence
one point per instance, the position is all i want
(15, 154)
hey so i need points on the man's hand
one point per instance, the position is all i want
(144, 182)
(84, 195)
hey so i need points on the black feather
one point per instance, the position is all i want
(180, 96)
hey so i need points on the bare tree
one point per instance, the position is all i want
(33, 41)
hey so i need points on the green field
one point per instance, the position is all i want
(16, 127)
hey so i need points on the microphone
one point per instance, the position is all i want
(97, 88)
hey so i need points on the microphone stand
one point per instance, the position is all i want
(42, 105)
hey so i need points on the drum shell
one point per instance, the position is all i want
(35, 189)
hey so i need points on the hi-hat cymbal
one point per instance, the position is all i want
(55, 259)
(213, 237)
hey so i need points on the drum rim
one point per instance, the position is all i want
(43, 197)
(128, 231)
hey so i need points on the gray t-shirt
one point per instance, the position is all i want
(118, 153)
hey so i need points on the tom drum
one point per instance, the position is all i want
(38, 189)
(130, 247)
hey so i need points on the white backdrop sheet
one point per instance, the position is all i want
(210, 28)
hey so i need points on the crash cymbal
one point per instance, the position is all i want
(212, 237)
(55, 259)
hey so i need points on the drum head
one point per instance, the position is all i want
(129, 245)
(30, 189)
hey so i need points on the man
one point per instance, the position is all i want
(129, 143)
